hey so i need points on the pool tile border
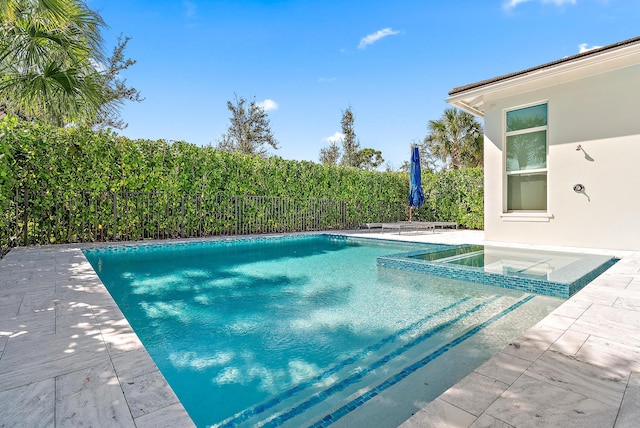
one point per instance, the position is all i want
(404, 261)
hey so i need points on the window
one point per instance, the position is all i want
(526, 158)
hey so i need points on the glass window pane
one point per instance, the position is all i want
(527, 151)
(528, 117)
(527, 192)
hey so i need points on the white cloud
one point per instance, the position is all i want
(338, 136)
(268, 105)
(380, 34)
(584, 47)
(511, 4)
(326, 79)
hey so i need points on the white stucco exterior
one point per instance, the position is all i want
(592, 103)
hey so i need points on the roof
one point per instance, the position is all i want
(475, 90)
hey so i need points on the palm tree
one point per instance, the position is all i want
(456, 140)
(49, 54)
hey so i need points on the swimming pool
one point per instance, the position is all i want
(307, 330)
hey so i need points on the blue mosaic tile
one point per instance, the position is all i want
(523, 282)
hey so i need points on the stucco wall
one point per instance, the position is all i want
(601, 113)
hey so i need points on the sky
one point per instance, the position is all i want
(392, 61)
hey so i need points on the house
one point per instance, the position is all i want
(562, 150)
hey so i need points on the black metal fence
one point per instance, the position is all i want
(42, 217)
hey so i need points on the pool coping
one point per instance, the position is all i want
(67, 354)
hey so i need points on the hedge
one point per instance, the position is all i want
(55, 165)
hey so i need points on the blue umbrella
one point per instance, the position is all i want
(416, 195)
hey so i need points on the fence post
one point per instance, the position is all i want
(182, 222)
(25, 218)
(235, 201)
(115, 216)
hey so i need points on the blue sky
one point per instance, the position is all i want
(392, 61)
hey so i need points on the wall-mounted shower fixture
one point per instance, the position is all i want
(586, 155)
(579, 188)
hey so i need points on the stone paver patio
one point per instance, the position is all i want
(68, 357)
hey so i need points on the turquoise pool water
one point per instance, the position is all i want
(307, 330)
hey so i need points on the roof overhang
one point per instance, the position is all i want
(471, 98)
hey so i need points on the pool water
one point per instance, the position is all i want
(307, 330)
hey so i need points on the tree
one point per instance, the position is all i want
(350, 154)
(369, 159)
(50, 55)
(350, 145)
(406, 166)
(330, 155)
(456, 140)
(249, 129)
(116, 89)
(45, 52)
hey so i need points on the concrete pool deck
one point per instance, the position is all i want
(68, 357)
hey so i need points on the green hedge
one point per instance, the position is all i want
(57, 164)
(455, 195)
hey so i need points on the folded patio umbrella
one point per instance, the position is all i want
(416, 195)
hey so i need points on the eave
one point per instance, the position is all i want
(471, 98)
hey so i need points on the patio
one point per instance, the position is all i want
(68, 357)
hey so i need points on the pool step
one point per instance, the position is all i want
(343, 387)
(371, 401)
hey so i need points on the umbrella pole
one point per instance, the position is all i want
(410, 210)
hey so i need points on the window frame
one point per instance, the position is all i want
(522, 214)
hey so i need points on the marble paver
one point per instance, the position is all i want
(474, 393)
(629, 413)
(68, 357)
(569, 343)
(148, 393)
(531, 402)
(440, 414)
(504, 368)
(599, 383)
(172, 416)
(66, 350)
(79, 409)
(28, 405)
